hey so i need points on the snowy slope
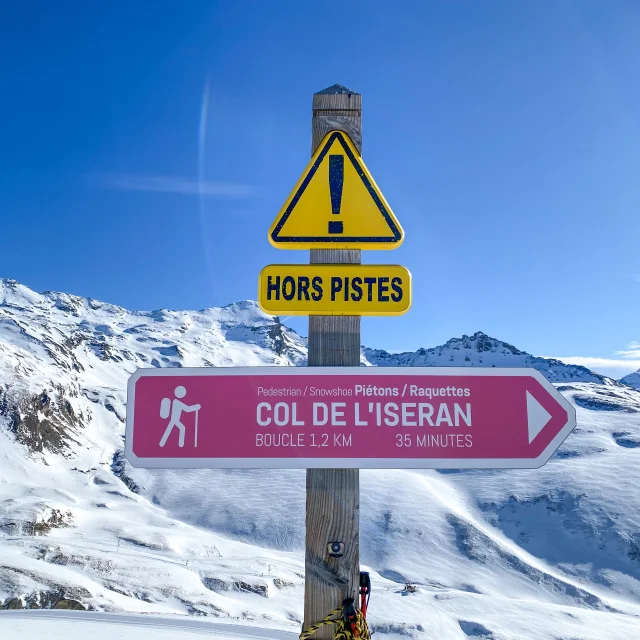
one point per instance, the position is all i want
(551, 553)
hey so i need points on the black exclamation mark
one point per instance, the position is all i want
(336, 180)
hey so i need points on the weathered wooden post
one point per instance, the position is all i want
(333, 495)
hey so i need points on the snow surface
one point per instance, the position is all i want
(72, 625)
(548, 553)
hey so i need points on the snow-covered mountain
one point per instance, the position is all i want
(479, 350)
(633, 379)
(550, 553)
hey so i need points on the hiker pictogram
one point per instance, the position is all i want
(174, 408)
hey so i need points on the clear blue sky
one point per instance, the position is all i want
(505, 135)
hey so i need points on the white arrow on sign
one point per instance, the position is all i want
(537, 417)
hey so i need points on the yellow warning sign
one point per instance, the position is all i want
(334, 289)
(336, 204)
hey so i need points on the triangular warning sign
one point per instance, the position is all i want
(336, 204)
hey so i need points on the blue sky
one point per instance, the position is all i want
(505, 136)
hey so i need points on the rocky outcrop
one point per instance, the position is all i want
(45, 420)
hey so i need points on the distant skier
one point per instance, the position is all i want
(175, 408)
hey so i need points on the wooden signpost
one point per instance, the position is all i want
(333, 419)
(337, 207)
(333, 495)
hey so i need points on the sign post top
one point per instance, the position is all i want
(336, 204)
(337, 89)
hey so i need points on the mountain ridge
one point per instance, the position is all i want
(478, 349)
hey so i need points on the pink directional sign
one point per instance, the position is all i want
(367, 417)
